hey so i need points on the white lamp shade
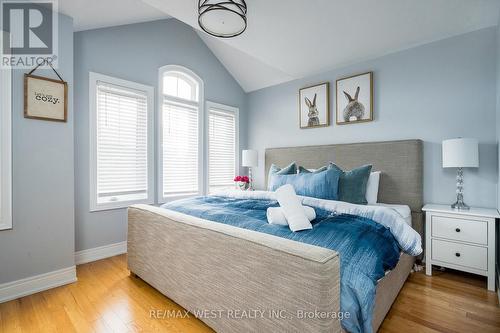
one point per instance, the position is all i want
(250, 158)
(460, 153)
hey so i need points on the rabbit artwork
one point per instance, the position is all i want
(354, 110)
(313, 112)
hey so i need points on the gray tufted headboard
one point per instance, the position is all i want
(401, 163)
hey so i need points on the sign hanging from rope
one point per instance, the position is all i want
(45, 98)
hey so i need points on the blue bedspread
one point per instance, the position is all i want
(367, 249)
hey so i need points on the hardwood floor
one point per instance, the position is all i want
(107, 299)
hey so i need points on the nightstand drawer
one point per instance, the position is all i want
(464, 230)
(460, 254)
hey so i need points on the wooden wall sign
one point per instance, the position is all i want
(45, 98)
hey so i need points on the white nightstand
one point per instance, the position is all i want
(462, 240)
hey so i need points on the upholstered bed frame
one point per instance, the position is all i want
(401, 163)
(204, 265)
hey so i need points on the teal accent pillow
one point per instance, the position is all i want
(322, 185)
(352, 184)
(288, 170)
(304, 170)
(291, 169)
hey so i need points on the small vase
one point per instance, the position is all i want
(242, 185)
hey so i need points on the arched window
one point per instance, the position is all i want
(180, 85)
(180, 124)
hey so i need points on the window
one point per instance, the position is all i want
(180, 133)
(5, 150)
(222, 146)
(121, 135)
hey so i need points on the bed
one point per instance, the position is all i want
(204, 265)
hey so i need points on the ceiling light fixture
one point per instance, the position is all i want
(225, 19)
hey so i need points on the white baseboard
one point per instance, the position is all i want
(101, 252)
(37, 283)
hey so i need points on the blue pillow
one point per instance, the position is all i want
(275, 170)
(322, 185)
(352, 184)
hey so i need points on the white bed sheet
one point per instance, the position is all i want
(402, 210)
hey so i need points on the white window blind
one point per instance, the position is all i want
(180, 133)
(221, 148)
(180, 149)
(122, 144)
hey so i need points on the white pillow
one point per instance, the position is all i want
(275, 215)
(372, 187)
(292, 208)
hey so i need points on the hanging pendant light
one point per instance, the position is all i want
(223, 18)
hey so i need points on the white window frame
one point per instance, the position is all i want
(201, 130)
(6, 149)
(227, 109)
(93, 79)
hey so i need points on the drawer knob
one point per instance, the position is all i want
(457, 229)
(457, 254)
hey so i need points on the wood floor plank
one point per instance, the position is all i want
(449, 301)
(11, 317)
(42, 313)
(106, 299)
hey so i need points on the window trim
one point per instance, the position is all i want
(159, 127)
(6, 150)
(93, 79)
(227, 109)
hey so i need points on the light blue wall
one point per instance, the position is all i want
(42, 238)
(433, 92)
(498, 131)
(498, 107)
(135, 52)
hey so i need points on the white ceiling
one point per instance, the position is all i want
(289, 39)
(250, 72)
(93, 14)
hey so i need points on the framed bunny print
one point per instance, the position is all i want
(354, 99)
(314, 106)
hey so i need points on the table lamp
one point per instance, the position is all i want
(460, 153)
(250, 158)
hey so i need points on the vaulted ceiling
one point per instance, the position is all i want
(290, 39)
(94, 14)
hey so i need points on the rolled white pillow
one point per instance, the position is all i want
(292, 208)
(275, 215)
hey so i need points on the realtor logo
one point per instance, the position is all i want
(29, 33)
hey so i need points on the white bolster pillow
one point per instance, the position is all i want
(275, 215)
(292, 208)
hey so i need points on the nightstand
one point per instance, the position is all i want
(463, 240)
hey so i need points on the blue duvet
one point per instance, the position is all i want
(367, 249)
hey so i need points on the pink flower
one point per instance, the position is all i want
(243, 179)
